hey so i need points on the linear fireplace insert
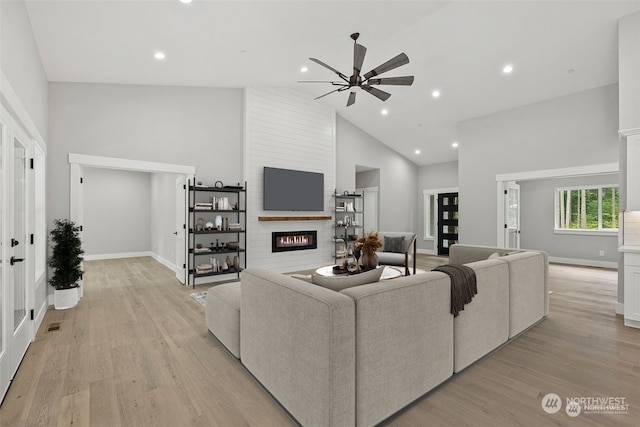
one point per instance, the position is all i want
(293, 240)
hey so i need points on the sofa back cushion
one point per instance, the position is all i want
(338, 283)
(299, 342)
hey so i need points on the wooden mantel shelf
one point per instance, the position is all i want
(295, 218)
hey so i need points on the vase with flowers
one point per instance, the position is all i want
(368, 243)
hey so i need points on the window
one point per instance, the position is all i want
(590, 209)
(430, 213)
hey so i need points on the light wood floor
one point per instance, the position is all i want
(136, 352)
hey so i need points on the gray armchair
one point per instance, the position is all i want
(398, 248)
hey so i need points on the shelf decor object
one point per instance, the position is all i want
(223, 237)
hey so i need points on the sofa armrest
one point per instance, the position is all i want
(298, 340)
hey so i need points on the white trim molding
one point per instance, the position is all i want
(118, 255)
(629, 132)
(602, 169)
(584, 262)
(128, 164)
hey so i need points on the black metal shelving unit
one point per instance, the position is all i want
(342, 231)
(236, 197)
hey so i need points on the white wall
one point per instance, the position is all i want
(398, 195)
(163, 216)
(21, 66)
(20, 62)
(573, 130)
(287, 129)
(433, 177)
(628, 68)
(201, 127)
(117, 208)
(537, 222)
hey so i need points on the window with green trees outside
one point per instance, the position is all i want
(587, 208)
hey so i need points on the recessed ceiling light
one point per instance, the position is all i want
(435, 93)
(186, 1)
(571, 71)
(384, 112)
(159, 55)
(304, 69)
(455, 144)
(417, 151)
(507, 69)
(243, 51)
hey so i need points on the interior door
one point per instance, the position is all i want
(4, 364)
(180, 233)
(15, 301)
(447, 221)
(512, 215)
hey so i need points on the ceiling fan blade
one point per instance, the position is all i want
(322, 81)
(352, 99)
(328, 93)
(391, 64)
(400, 81)
(380, 94)
(359, 52)
(317, 61)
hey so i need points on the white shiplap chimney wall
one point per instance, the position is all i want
(289, 130)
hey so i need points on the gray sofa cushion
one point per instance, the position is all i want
(338, 283)
(404, 339)
(394, 244)
(299, 342)
(391, 258)
(483, 325)
(222, 315)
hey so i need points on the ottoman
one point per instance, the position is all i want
(222, 315)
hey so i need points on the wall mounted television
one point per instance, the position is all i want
(292, 190)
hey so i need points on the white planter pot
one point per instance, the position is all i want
(65, 298)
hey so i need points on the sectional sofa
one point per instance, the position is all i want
(358, 356)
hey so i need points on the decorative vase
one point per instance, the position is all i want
(218, 222)
(369, 260)
(65, 298)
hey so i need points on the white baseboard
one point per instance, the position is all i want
(584, 262)
(41, 312)
(620, 308)
(171, 266)
(117, 255)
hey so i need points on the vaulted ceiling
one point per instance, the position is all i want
(458, 48)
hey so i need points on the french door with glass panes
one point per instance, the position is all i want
(16, 325)
(447, 221)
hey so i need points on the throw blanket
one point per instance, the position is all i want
(463, 285)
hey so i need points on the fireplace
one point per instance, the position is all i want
(293, 240)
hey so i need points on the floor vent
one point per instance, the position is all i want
(53, 327)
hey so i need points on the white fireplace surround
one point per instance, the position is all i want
(287, 129)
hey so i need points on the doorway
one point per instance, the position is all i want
(79, 161)
(368, 184)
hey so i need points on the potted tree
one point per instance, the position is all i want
(66, 260)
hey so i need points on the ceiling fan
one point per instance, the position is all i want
(368, 80)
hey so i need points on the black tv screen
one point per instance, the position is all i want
(292, 190)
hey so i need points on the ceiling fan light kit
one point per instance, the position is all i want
(368, 80)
